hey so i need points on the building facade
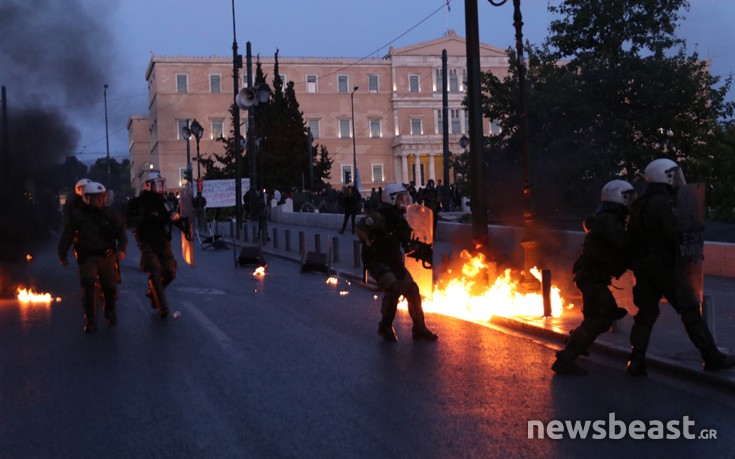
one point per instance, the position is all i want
(397, 110)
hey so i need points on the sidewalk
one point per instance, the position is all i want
(670, 349)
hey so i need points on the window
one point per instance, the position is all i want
(454, 117)
(439, 122)
(377, 172)
(346, 173)
(284, 79)
(494, 127)
(244, 81)
(439, 80)
(344, 129)
(311, 84)
(416, 126)
(464, 80)
(373, 83)
(215, 84)
(314, 127)
(182, 176)
(217, 128)
(342, 84)
(375, 128)
(179, 126)
(453, 81)
(413, 83)
(466, 121)
(182, 83)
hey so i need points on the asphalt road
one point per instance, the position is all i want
(287, 366)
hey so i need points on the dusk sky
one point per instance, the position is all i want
(122, 35)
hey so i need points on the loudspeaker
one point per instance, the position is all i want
(251, 255)
(313, 261)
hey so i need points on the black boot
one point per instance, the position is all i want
(566, 365)
(387, 332)
(158, 296)
(423, 333)
(718, 361)
(637, 362)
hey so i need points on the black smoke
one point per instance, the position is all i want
(55, 58)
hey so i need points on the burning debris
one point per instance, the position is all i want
(474, 292)
(259, 271)
(29, 296)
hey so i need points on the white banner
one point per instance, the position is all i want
(221, 193)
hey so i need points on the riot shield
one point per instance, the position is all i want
(690, 241)
(187, 236)
(420, 219)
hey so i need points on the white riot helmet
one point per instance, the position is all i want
(154, 182)
(91, 189)
(79, 186)
(618, 191)
(665, 171)
(396, 195)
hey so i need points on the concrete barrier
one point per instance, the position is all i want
(719, 257)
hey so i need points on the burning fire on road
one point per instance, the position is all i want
(470, 293)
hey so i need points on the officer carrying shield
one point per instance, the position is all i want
(383, 232)
(151, 217)
(653, 228)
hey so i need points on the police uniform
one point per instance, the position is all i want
(387, 230)
(653, 228)
(98, 234)
(150, 220)
(605, 254)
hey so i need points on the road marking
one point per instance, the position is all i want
(209, 326)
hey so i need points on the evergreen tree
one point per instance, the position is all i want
(322, 167)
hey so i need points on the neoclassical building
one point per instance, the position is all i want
(397, 109)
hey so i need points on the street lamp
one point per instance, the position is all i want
(529, 241)
(354, 148)
(198, 131)
(107, 140)
(186, 134)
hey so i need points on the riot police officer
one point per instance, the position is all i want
(605, 254)
(654, 231)
(76, 201)
(151, 217)
(383, 232)
(101, 242)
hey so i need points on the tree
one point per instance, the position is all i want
(282, 132)
(322, 167)
(611, 89)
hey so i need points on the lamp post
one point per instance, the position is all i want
(474, 108)
(107, 141)
(354, 148)
(236, 65)
(198, 131)
(186, 133)
(529, 241)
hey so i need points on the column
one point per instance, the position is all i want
(404, 168)
(431, 167)
(417, 171)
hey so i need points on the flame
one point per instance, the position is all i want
(332, 280)
(29, 257)
(259, 271)
(29, 296)
(469, 295)
(343, 293)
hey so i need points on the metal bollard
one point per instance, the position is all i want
(546, 291)
(287, 236)
(356, 253)
(708, 314)
(275, 238)
(318, 243)
(335, 249)
(302, 242)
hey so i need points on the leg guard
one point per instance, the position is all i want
(110, 296)
(158, 295)
(89, 303)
